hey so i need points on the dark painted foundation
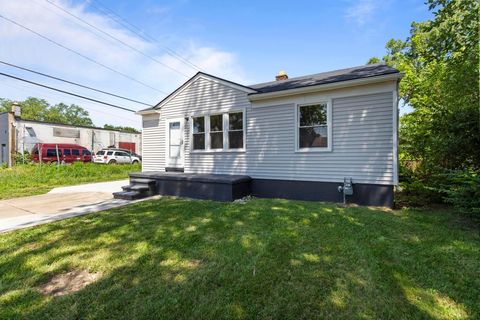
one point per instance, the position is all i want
(363, 194)
(221, 187)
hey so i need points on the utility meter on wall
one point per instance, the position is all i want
(347, 186)
(346, 189)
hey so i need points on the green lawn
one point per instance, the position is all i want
(26, 180)
(265, 259)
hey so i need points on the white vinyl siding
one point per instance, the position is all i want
(153, 143)
(361, 139)
(201, 97)
(362, 146)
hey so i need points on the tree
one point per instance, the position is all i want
(41, 110)
(441, 83)
(440, 62)
(374, 60)
(120, 128)
(71, 114)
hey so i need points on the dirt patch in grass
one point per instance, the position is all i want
(70, 282)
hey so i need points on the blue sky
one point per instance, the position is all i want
(300, 36)
(244, 41)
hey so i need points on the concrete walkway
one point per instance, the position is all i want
(59, 203)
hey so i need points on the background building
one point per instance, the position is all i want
(17, 135)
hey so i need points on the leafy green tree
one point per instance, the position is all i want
(41, 110)
(120, 128)
(441, 83)
(71, 114)
(441, 137)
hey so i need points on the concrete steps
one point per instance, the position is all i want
(137, 189)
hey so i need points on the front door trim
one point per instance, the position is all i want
(175, 162)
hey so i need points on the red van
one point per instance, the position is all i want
(67, 153)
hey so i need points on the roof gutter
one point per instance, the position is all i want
(324, 87)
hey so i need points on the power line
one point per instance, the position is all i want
(80, 54)
(146, 37)
(74, 83)
(66, 92)
(47, 7)
(141, 33)
(116, 39)
(43, 95)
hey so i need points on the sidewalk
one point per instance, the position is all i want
(59, 203)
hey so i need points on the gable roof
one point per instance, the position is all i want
(354, 73)
(349, 74)
(193, 79)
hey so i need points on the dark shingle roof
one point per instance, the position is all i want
(360, 72)
(354, 73)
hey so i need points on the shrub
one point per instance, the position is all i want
(416, 187)
(24, 158)
(461, 188)
(421, 186)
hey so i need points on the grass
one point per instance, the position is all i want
(26, 180)
(264, 259)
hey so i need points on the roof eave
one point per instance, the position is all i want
(204, 75)
(324, 87)
(147, 111)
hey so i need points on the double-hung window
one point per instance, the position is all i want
(216, 131)
(235, 130)
(313, 127)
(198, 133)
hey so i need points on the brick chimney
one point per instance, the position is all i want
(16, 110)
(281, 76)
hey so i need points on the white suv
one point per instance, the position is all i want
(110, 156)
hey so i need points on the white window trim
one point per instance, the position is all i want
(244, 129)
(204, 132)
(225, 119)
(329, 127)
(209, 146)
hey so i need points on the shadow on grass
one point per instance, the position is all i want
(263, 259)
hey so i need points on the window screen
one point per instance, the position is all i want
(313, 129)
(235, 130)
(199, 133)
(216, 132)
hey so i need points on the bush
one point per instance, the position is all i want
(24, 158)
(421, 186)
(461, 188)
(416, 187)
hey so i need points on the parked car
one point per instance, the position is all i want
(63, 152)
(115, 156)
(129, 152)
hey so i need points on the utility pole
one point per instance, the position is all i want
(12, 142)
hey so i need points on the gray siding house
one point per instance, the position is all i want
(296, 138)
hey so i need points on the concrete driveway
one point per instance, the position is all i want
(59, 203)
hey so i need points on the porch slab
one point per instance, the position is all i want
(218, 187)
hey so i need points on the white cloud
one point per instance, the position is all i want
(362, 11)
(26, 49)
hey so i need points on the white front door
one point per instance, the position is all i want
(175, 151)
